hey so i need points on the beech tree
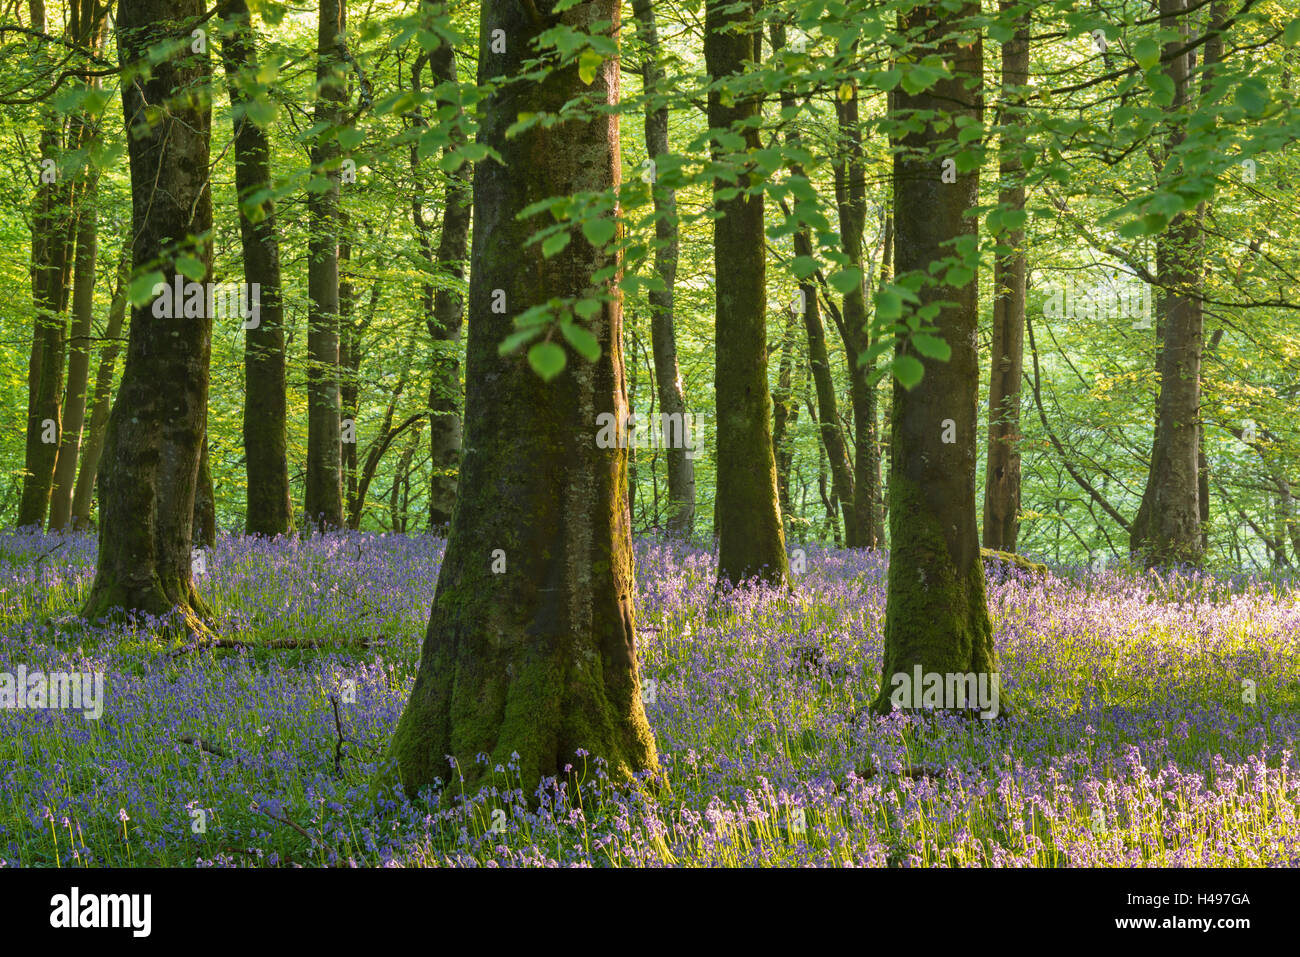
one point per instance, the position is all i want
(936, 616)
(530, 652)
(323, 500)
(663, 335)
(155, 431)
(751, 540)
(1167, 527)
(442, 305)
(1002, 471)
(269, 509)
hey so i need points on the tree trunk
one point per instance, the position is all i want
(155, 431)
(851, 200)
(871, 447)
(269, 506)
(663, 337)
(785, 413)
(205, 501)
(94, 444)
(1002, 471)
(323, 500)
(54, 229)
(936, 617)
(74, 402)
(539, 660)
(443, 308)
(751, 541)
(349, 379)
(828, 415)
(1167, 528)
(387, 434)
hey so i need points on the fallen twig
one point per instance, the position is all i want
(234, 644)
(202, 745)
(285, 820)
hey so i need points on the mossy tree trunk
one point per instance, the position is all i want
(785, 412)
(155, 431)
(93, 447)
(530, 648)
(205, 501)
(751, 541)
(663, 336)
(54, 228)
(809, 306)
(861, 530)
(936, 615)
(74, 400)
(443, 308)
(1167, 527)
(269, 506)
(1002, 467)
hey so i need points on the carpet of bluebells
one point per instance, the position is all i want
(1149, 721)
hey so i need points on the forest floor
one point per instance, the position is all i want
(1146, 720)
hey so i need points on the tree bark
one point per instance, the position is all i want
(84, 492)
(323, 500)
(864, 493)
(443, 308)
(785, 413)
(54, 232)
(205, 501)
(663, 336)
(1002, 467)
(828, 414)
(269, 508)
(936, 617)
(155, 431)
(539, 660)
(74, 401)
(751, 541)
(1167, 527)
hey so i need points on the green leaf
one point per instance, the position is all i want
(547, 360)
(599, 231)
(262, 110)
(958, 276)
(191, 268)
(583, 342)
(517, 339)
(1014, 219)
(803, 266)
(349, 138)
(1252, 96)
(553, 243)
(140, 289)
(932, 347)
(588, 63)
(889, 305)
(887, 79)
(846, 280)
(1147, 53)
(587, 308)
(907, 370)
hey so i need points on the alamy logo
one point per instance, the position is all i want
(102, 910)
(1113, 298)
(62, 690)
(676, 430)
(955, 691)
(183, 299)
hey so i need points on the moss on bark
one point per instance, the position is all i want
(534, 657)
